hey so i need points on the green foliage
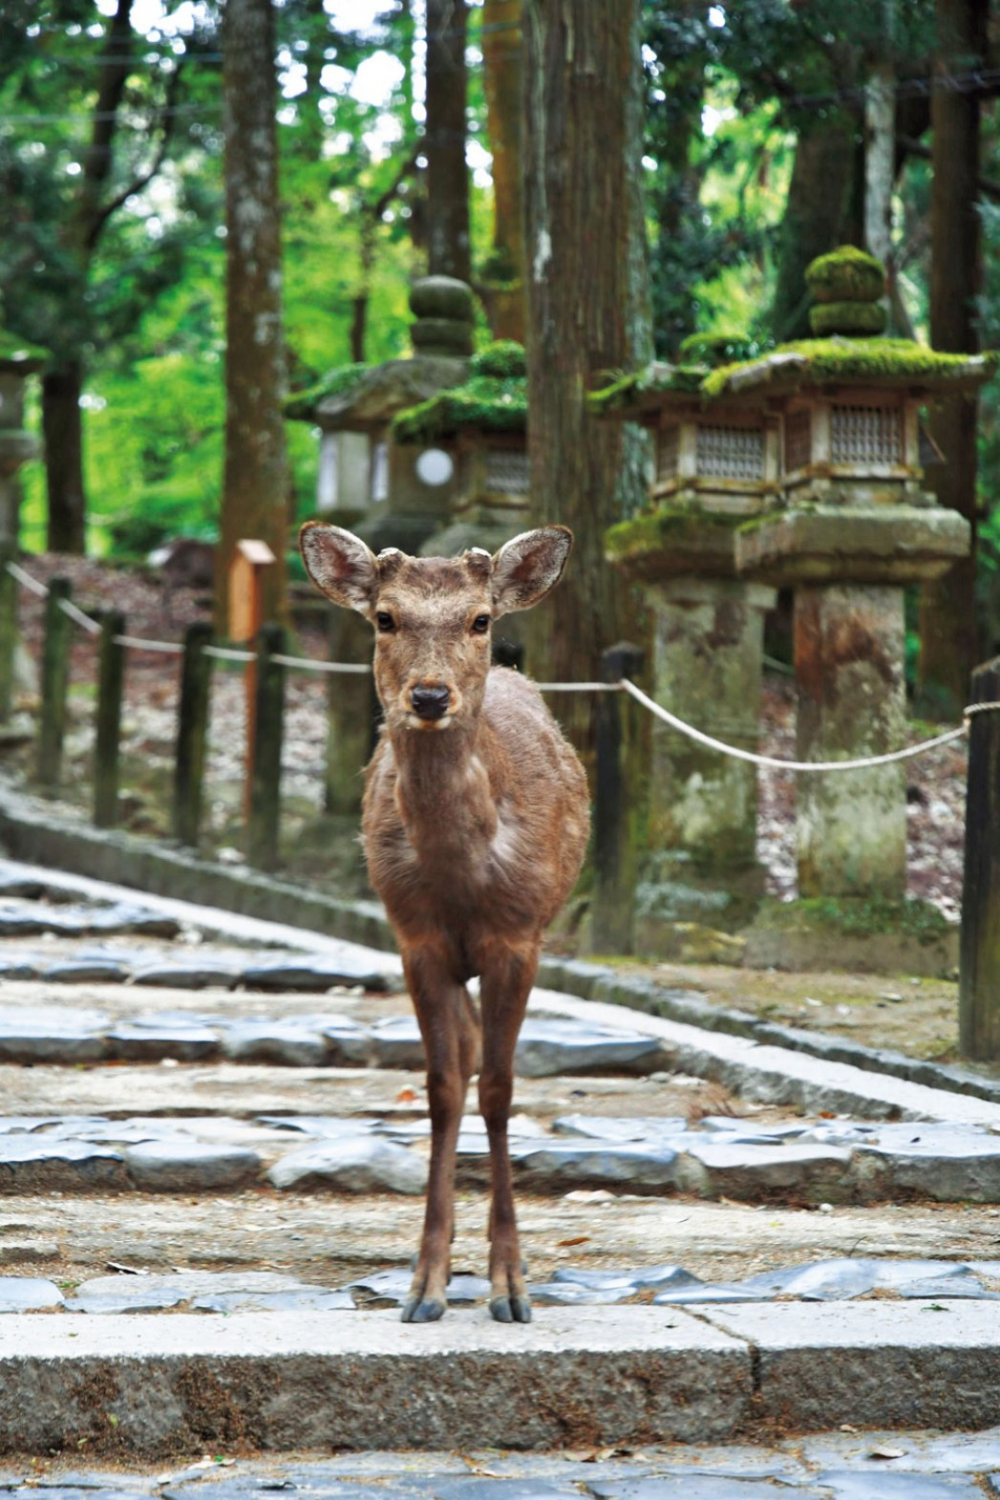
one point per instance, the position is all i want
(854, 916)
(625, 394)
(662, 529)
(847, 274)
(721, 348)
(337, 382)
(494, 404)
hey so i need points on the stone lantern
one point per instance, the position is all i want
(717, 463)
(856, 528)
(18, 360)
(479, 429)
(366, 480)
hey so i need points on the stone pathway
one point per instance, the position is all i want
(212, 1160)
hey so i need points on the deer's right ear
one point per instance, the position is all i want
(339, 564)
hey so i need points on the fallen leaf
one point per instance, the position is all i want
(887, 1453)
(578, 1239)
(406, 1096)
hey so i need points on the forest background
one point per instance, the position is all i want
(751, 161)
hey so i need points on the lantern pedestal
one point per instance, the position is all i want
(848, 567)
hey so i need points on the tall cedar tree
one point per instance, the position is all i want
(948, 638)
(588, 309)
(255, 496)
(448, 248)
(502, 290)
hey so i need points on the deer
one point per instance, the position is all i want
(475, 817)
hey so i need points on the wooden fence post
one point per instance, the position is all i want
(192, 733)
(979, 986)
(55, 682)
(110, 687)
(265, 774)
(8, 630)
(353, 713)
(615, 811)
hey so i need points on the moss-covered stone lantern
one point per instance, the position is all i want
(855, 527)
(18, 360)
(717, 463)
(481, 429)
(366, 480)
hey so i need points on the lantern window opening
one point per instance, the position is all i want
(863, 435)
(667, 453)
(507, 471)
(729, 452)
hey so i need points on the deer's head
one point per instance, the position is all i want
(433, 615)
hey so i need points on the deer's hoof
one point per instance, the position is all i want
(511, 1309)
(424, 1309)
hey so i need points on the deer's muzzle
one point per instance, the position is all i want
(430, 701)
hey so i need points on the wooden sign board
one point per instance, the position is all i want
(249, 560)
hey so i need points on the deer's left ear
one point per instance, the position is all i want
(528, 567)
(339, 564)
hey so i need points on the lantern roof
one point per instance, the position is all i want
(809, 364)
(493, 399)
(361, 398)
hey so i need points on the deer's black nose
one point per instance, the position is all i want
(430, 702)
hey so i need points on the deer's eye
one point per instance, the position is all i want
(480, 625)
(385, 622)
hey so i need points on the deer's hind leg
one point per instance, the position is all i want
(450, 1031)
(505, 985)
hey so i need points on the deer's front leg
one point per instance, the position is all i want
(450, 1037)
(504, 989)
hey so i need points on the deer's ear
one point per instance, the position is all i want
(528, 566)
(339, 564)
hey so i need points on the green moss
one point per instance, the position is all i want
(878, 360)
(19, 350)
(503, 360)
(342, 381)
(494, 405)
(859, 318)
(721, 348)
(627, 390)
(847, 274)
(853, 916)
(654, 530)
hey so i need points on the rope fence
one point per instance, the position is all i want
(312, 664)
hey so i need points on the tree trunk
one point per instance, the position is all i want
(448, 251)
(503, 290)
(62, 430)
(949, 646)
(256, 479)
(818, 216)
(588, 312)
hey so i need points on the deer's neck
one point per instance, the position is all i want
(443, 792)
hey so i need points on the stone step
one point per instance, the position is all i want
(801, 1161)
(153, 1387)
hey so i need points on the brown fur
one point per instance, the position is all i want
(474, 827)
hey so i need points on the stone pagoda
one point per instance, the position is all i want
(716, 464)
(800, 467)
(366, 480)
(478, 432)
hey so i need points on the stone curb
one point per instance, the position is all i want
(137, 1387)
(155, 1386)
(30, 832)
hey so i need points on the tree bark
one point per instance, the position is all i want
(949, 647)
(256, 481)
(503, 290)
(62, 430)
(588, 312)
(448, 252)
(818, 216)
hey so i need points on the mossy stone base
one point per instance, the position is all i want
(845, 543)
(868, 936)
(674, 543)
(846, 274)
(441, 336)
(676, 888)
(865, 318)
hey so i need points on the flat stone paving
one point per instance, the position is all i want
(912, 1465)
